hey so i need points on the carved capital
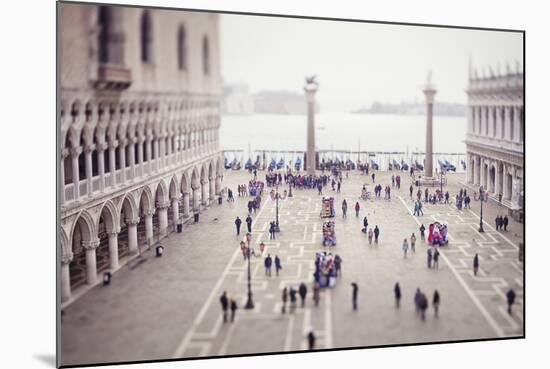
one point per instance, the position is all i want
(67, 258)
(90, 245)
(132, 222)
(75, 151)
(163, 205)
(113, 232)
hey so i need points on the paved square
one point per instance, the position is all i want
(169, 306)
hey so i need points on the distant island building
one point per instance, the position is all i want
(280, 102)
(414, 108)
(237, 99)
(495, 136)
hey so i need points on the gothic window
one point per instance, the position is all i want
(182, 62)
(205, 56)
(105, 24)
(146, 37)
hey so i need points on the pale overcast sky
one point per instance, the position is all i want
(357, 63)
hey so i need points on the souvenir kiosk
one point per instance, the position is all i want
(437, 234)
(325, 270)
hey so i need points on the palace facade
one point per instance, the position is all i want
(139, 117)
(495, 135)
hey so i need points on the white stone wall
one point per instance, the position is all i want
(135, 154)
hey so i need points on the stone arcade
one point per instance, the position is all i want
(139, 125)
(494, 141)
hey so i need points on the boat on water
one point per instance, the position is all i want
(298, 163)
(374, 165)
(281, 164)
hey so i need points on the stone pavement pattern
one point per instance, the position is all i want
(169, 306)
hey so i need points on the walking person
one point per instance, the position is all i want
(435, 303)
(426, 195)
(249, 223)
(369, 235)
(233, 309)
(311, 340)
(430, 256)
(225, 305)
(284, 297)
(372, 177)
(357, 208)
(497, 222)
(267, 264)
(278, 265)
(413, 242)
(376, 234)
(411, 191)
(423, 305)
(354, 291)
(422, 230)
(302, 291)
(510, 297)
(405, 248)
(417, 296)
(476, 264)
(238, 222)
(397, 294)
(292, 294)
(338, 265)
(436, 258)
(316, 293)
(344, 208)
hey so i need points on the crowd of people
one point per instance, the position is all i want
(328, 266)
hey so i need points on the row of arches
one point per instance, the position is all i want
(106, 236)
(111, 40)
(495, 176)
(115, 142)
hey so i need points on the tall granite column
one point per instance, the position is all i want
(429, 92)
(310, 89)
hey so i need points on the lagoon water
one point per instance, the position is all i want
(343, 132)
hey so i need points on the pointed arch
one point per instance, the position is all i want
(174, 188)
(185, 182)
(109, 214)
(128, 206)
(161, 192)
(84, 223)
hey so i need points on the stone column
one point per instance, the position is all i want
(476, 170)
(101, 166)
(66, 277)
(122, 153)
(156, 149)
(132, 235)
(497, 178)
(211, 190)
(218, 184)
(75, 152)
(186, 204)
(162, 209)
(62, 178)
(91, 268)
(132, 158)
(112, 164)
(140, 155)
(88, 158)
(429, 92)
(175, 210)
(196, 204)
(148, 155)
(148, 225)
(113, 248)
(310, 89)
(162, 152)
(204, 197)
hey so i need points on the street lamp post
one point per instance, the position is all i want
(249, 302)
(277, 229)
(441, 181)
(481, 196)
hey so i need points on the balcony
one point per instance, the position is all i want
(113, 77)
